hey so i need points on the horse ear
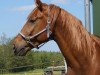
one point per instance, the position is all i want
(38, 4)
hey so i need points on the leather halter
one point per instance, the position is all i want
(46, 29)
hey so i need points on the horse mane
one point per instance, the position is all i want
(96, 38)
(75, 34)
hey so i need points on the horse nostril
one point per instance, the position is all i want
(13, 47)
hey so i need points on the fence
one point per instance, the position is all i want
(30, 70)
(3, 71)
(18, 69)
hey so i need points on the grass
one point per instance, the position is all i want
(34, 72)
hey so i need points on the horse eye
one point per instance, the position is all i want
(32, 21)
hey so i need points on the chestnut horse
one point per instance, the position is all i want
(49, 22)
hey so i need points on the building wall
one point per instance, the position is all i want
(96, 17)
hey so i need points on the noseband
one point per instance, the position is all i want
(46, 29)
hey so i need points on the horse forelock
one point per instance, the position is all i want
(32, 12)
(49, 7)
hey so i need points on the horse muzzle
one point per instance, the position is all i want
(20, 51)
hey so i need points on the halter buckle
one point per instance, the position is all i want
(27, 38)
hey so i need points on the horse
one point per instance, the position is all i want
(50, 22)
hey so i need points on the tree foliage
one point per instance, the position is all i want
(38, 59)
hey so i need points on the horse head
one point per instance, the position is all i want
(38, 28)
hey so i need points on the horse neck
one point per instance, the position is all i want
(72, 39)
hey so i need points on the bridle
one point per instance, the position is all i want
(46, 29)
(29, 38)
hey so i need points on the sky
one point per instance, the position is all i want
(13, 14)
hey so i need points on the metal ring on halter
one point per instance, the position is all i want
(48, 21)
(27, 38)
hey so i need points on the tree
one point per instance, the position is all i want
(38, 59)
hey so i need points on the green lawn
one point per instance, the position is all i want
(34, 72)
